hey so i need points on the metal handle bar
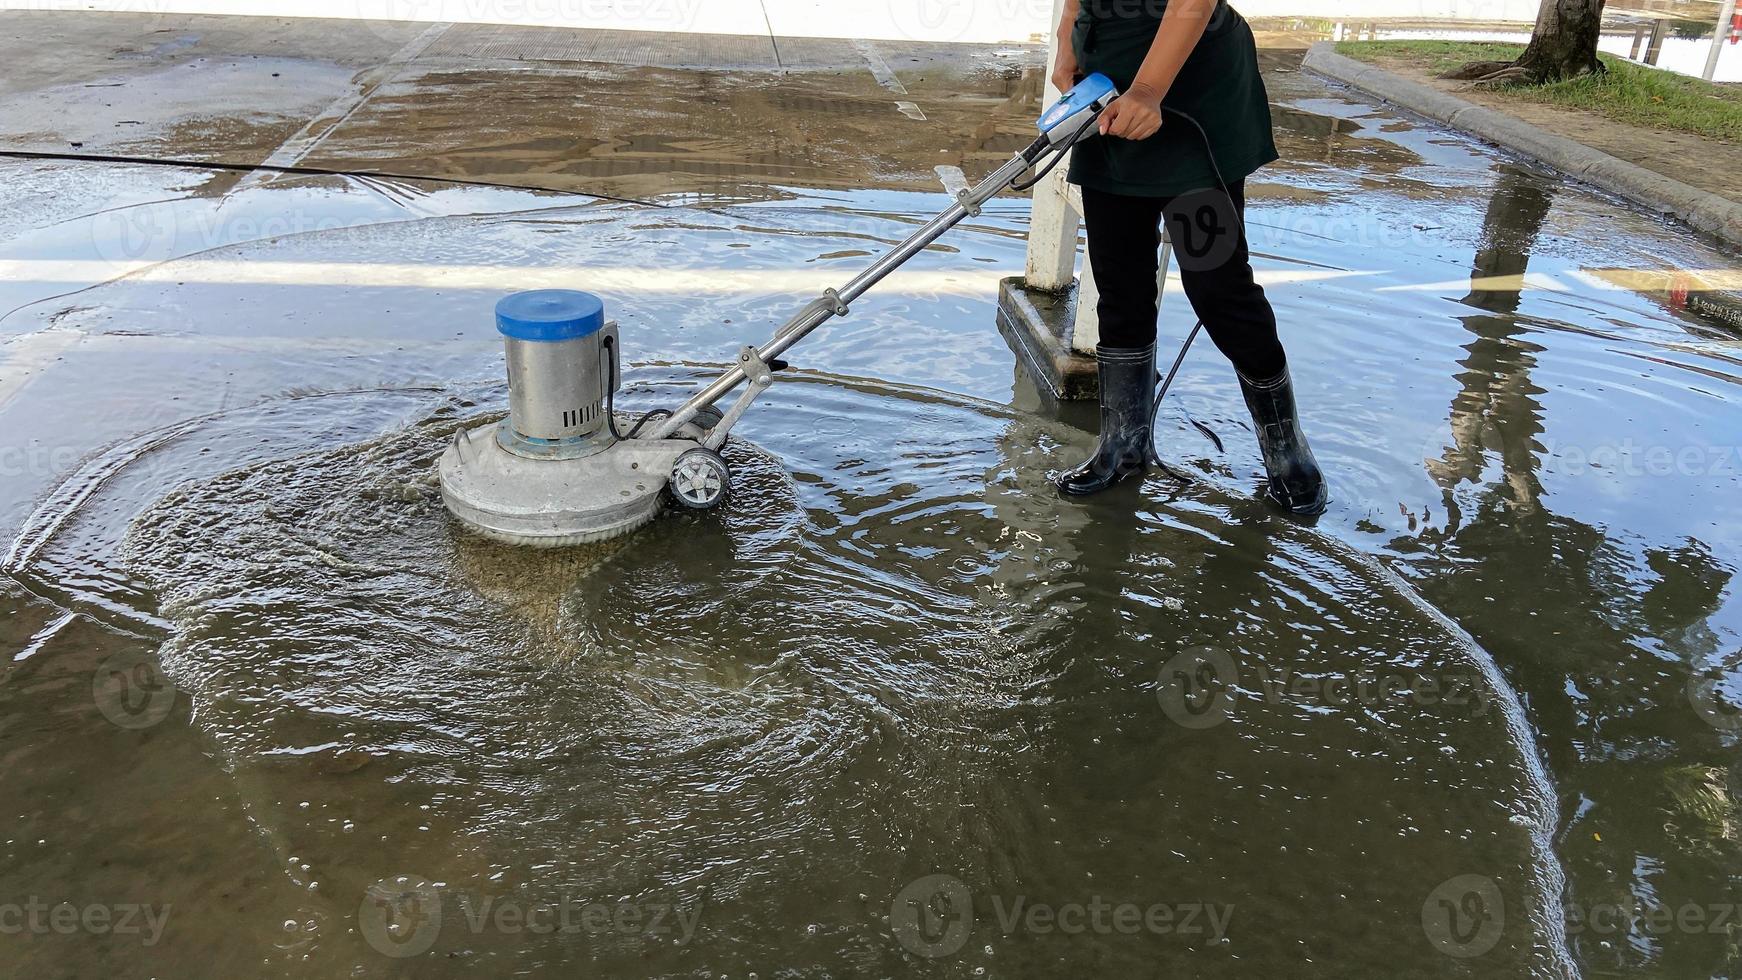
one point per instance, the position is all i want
(834, 302)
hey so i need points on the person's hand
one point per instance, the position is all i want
(1136, 115)
(1064, 71)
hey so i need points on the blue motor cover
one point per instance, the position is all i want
(1087, 98)
(550, 315)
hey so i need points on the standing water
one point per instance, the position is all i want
(898, 707)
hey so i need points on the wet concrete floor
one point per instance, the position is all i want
(899, 708)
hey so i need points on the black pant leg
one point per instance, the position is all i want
(1209, 243)
(1124, 253)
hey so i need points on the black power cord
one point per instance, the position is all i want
(1185, 348)
(613, 377)
(1082, 133)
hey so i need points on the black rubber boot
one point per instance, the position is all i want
(1127, 393)
(1296, 483)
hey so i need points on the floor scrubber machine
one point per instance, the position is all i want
(563, 468)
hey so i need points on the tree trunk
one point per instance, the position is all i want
(1564, 43)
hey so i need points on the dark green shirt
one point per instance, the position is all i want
(1219, 86)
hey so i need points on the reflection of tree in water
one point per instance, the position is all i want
(1598, 629)
(1496, 411)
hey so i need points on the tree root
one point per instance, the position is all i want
(1510, 75)
(1475, 70)
(1500, 74)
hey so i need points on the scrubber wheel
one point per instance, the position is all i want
(700, 479)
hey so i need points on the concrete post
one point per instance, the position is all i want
(1052, 229)
(1724, 14)
(1086, 335)
(1052, 232)
(1655, 50)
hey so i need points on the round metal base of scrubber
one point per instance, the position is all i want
(554, 503)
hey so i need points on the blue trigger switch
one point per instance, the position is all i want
(1088, 96)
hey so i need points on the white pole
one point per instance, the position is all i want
(1086, 334)
(1727, 11)
(1052, 225)
(1052, 233)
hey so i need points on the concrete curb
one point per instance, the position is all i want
(1701, 210)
